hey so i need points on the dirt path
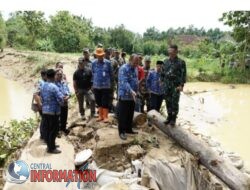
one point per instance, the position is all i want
(35, 152)
(68, 70)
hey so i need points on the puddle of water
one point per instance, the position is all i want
(232, 106)
(14, 100)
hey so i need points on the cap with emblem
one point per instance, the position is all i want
(159, 62)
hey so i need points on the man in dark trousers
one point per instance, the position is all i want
(155, 87)
(127, 92)
(142, 86)
(174, 78)
(37, 98)
(102, 80)
(51, 98)
(116, 62)
(82, 82)
(64, 89)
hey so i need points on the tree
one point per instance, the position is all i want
(151, 34)
(122, 38)
(240, 21)
(69, 33)
(214, 34)
(17, 31)
(101, 35)
(36, 25)
(138, 43)
(2, 33)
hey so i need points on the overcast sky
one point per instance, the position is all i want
(137, 15)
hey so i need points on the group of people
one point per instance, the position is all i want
(138, 84)
(51, 95)
(102, 80)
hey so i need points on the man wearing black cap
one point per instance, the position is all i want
(107, 54)
(82, 82)
(86, 57)
(155, 87)
(123, 56)
(174, 78)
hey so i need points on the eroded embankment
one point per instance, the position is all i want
(160, 155)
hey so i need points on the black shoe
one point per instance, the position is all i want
(149, 124)
(83, 117)
(57, 146)
(173, 121)
(167, 122)
(66, 131)
(123, 136)
(55, 151)
(169, 118)
(132, 132)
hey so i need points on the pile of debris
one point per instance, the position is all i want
(148, 160)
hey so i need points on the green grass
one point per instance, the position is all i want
(204, 69)
(210, 70)
(207, 69)
(42, 61)
(14, 136)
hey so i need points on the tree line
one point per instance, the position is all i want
(65, 32)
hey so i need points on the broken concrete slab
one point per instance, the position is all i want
(86, 135)
(109, 146)
(76, 130)
(135, 152)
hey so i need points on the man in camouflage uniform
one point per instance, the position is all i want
(116, 62)
(107, 54)
(142, 87)
(174, 78)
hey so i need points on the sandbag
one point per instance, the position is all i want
(82, 156)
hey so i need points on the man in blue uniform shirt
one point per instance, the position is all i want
(127, 92)
(64, 89)
(52, 98)
(155, 87)
(102, 80)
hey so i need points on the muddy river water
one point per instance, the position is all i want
(228, 109)
(225, 109)
(14, 101)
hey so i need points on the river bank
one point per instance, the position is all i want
(21, 67)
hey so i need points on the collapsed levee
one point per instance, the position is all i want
(220, 167)
(165, 165)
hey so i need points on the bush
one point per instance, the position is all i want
(44, 45)
(15, 136)
(32, 58)
(2, 42)
(150, 48)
